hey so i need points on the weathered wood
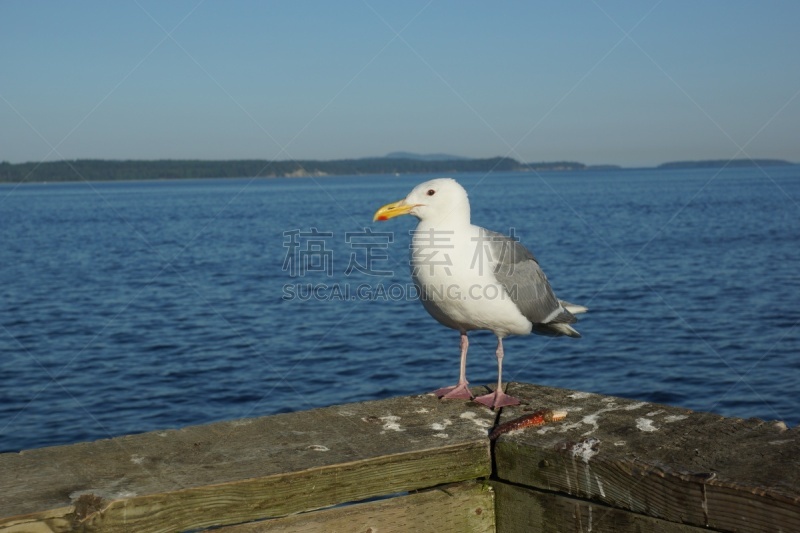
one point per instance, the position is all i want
(239, 471)
(612, 465)
(463, 508)
(523, 510)
(660, 461)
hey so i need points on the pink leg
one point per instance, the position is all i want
(498, 398)
(460, 391)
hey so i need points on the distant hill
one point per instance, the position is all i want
(553, 166)
(724, 163)
(604, 167)
(424, 157)
(115, 170)
(393, 163)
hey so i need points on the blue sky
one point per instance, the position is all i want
(631, 83)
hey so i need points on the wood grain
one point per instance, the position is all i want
(522, 510)
(245, 470)
(611, 465)
(659, 461)
(462, 508)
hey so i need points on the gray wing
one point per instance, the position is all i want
(517, 270)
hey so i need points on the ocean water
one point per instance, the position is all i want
(129, 307)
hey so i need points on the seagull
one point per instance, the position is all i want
(469, 278)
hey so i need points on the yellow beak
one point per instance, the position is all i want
(392, 210)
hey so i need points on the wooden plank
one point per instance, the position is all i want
(661, 461)
(523, 510)
(245, 470)
(463, 508)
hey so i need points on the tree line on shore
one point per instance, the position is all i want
(116, 170)
(132, 170)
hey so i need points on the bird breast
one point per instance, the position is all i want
(453, 270)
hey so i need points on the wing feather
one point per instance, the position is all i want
(519, 272)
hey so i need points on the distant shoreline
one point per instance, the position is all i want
(721, 163)
(141, 170)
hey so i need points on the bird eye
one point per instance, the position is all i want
(431, 192)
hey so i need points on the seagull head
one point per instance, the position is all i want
(438, 202)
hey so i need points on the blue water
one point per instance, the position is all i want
(128, 307)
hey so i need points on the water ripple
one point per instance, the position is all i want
(139, 306)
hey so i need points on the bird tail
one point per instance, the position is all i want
(560, 325)
(555, 329)
(575, 309)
